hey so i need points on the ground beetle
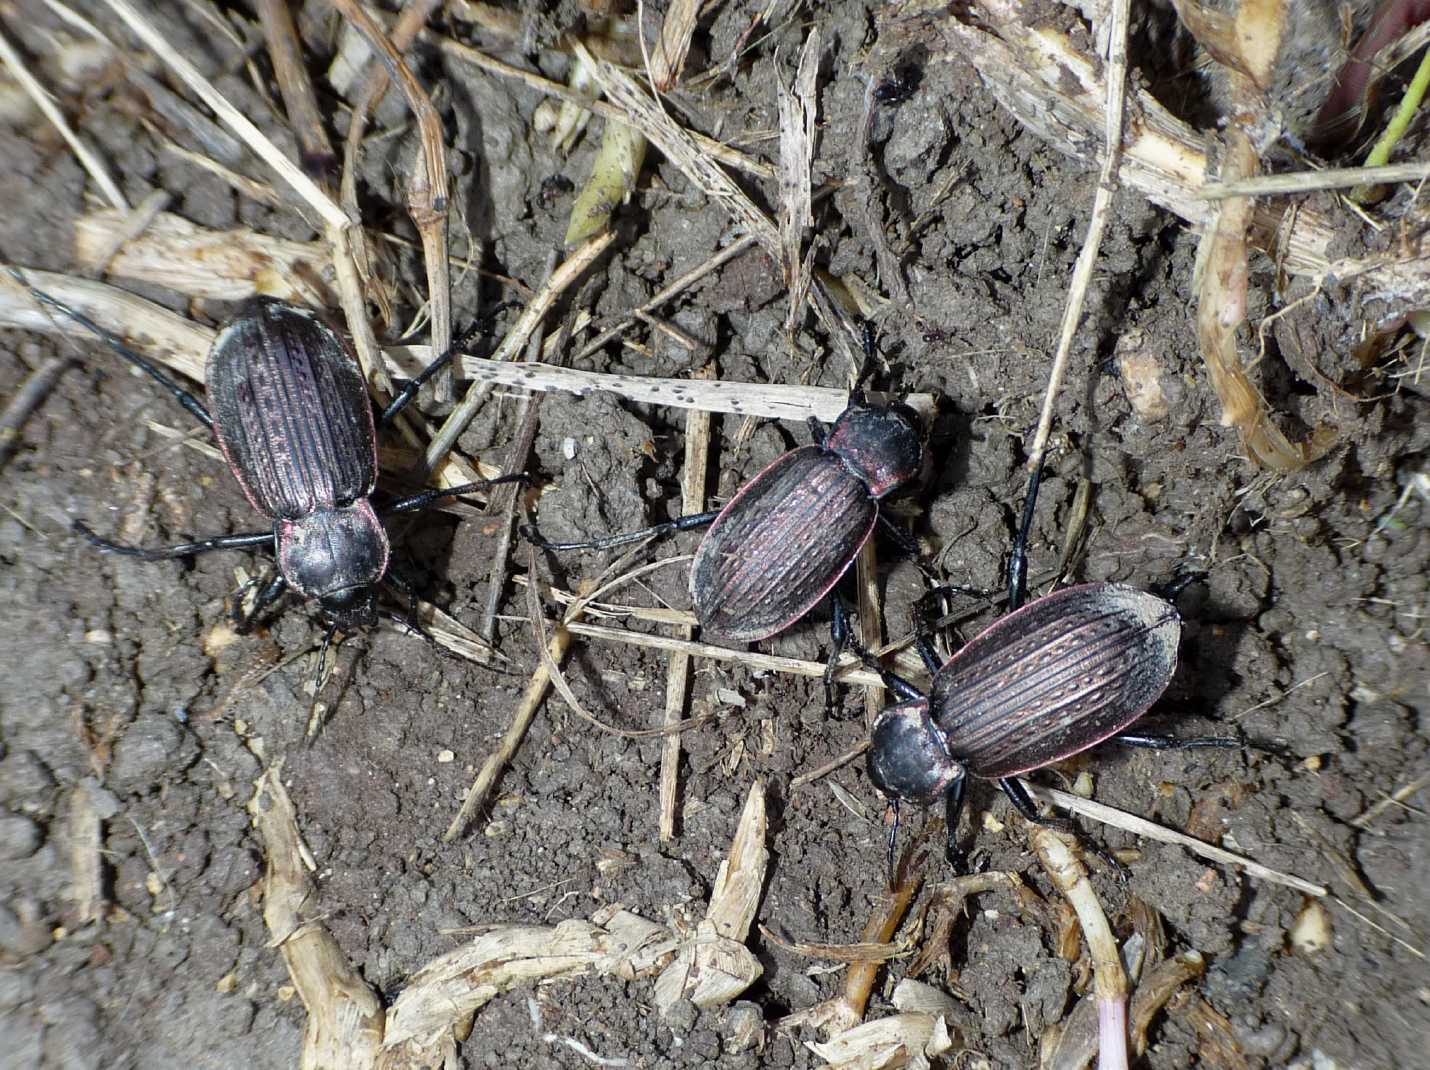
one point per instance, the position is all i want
(1053, 678)
(783, 541)
(291, 413)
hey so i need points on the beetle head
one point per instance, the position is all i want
(337, 556)
(908, 755)
(351, 609)
(882, 443)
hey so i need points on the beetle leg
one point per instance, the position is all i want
(930, 657)
(183, 549)
(1018, 559)
(195, 407)
(953, 807)
(681, 523)
(816, 431)
(1153, 742)
(892, 820)
(408, 392)
(840, 638)
(1177, 584)
(1024, 804)
(414, 502)
(267, 595)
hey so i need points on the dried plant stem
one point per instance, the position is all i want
(849, 672)
(92, 164)
(503, 502)
(27, 399)
(428, 186)
(345, 1017)
(829, 766)
(668, 58)
(1109, 978)
(574, 266)
(331, 215)
(1097, 225)
(716, 150)
(1140, 826)
(182, 344)
(531, 699)
(1315, 181)
(299, 100)
(677, 680)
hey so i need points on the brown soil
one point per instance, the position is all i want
(1307, 637)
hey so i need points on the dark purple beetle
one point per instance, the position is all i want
(783, 541)
(1059, 675)
(293, 418)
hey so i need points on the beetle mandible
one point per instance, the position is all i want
(783, 541)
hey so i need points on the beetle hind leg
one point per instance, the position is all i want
(1024, 804)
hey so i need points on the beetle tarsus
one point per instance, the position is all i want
(271, 591)
(183, 549)
(414, 502)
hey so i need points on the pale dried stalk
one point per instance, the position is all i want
(667, 59)
(345, 1018)
(446, 991)
(92, 164)
(798, 109)
(1109, 978)
(716, 150)
(1221, 282)
(299, 100)
(677, 680)
(83, 841)
(716, 966)
(521, 721)
(26, 400)
(224, 265)
(1056, 91)
(182, 345)
(428, 185)
(319, 201)
(849, 671)
(1315, 181)
(1097, 225)
(1140, 826)
(871, 620)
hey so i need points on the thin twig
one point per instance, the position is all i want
(1097, 225)
(428, 185)
(1395, 798)
(1140, 826)
(677, 679)
(27, 399)
(299, 100)
(1315, 181)
(91, 163)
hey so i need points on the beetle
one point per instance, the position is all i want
(291, 414)
(783, 541)
(1051, 679)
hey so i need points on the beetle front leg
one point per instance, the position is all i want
(840, 637)
(270, 593)
(952, 808)
(183, 549)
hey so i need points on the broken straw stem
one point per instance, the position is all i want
(1109, 978)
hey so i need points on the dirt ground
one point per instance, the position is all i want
(1307, 637)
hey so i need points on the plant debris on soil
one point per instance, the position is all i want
(587, 847)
